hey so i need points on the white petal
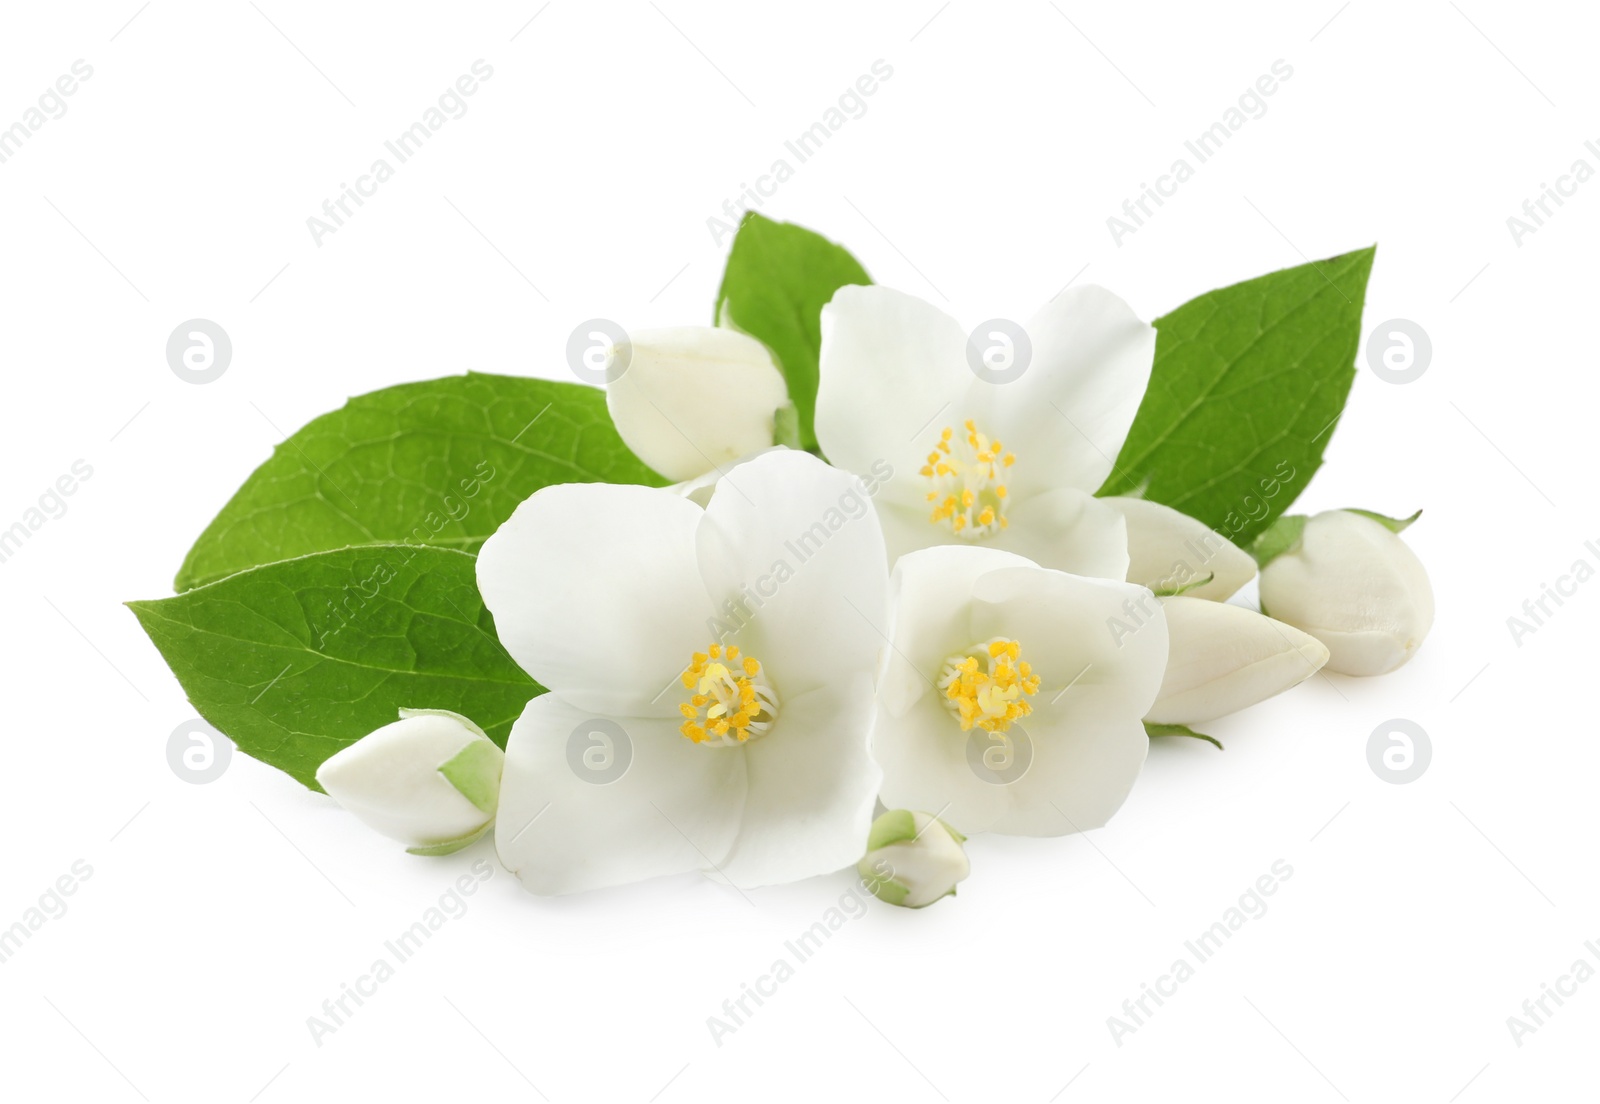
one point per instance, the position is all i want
(1357, 587)
(1087, 742)
(1168, 549)
(675, 808)
(1066, 417)
(1099, 648)
(596, 592)
(390, 779)
(811, 788)
(700, 489)
(793, 558)
(1224, 658)
(1068, 530)
(930, 594)
(893, 370)
(695, 398)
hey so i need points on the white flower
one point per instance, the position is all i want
(1224, 658)
(1009, 465)
(430, 780)
(1011, 701)
(1352, 583)
(913, 859)
(727, 651)
(693, 399)
(1170, 551)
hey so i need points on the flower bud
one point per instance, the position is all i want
(1170, 552)
(430, 780)
(1222, 658)
(913, 859)
(695, 398)
(1352, 583)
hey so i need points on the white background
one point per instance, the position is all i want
(219, 917)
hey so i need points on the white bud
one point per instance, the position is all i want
(695, 398)
(1222, 658)
(1352, 583)
(1169, 551)
(430, 780)
(913, 859)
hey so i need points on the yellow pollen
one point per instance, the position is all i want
(730, 701)
(966, 474)
(989, 686)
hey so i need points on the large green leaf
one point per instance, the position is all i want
(295, 660)
(442, 463)
(1247, 385)
(778, 279)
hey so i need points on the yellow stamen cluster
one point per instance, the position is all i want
(729, 701)
(968, 476)
(989, 687)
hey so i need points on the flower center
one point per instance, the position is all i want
(729, 701)
(988, 687)
(967, 474)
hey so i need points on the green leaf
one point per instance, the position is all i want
(1248, 383)
(778, 279)
(1155, 730)
(1394, 525)
(1281, 536)
(439, 463)
(296, 660)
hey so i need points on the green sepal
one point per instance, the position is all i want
(450, 847)
(886, 889)
(894, 826)
(1153, 730)
(1174, 592)
(475, 773)
(786, 426)
(1394, 525)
